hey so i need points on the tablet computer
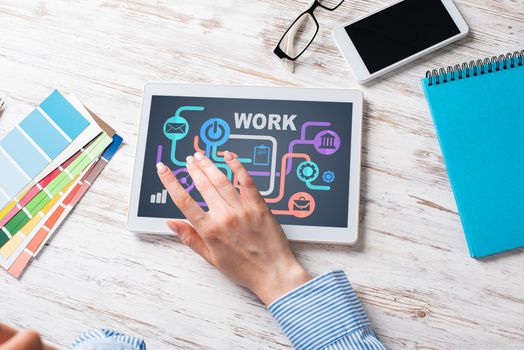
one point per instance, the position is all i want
(301, 146)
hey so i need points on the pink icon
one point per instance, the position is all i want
(301, 204)
(326, 142)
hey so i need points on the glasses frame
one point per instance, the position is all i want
(310, 10)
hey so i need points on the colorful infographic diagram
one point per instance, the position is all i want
(297, 155)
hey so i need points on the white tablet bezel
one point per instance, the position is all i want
(346, 235)
(357, 65)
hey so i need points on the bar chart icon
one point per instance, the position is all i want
(159, 197)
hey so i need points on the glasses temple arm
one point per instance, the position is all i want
(288, 44)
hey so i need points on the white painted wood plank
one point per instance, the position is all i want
(411, 268)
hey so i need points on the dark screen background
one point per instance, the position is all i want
(331, 207)
(401, 31)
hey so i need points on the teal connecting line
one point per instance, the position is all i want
(173, 144)
(222, 165)
(180, 163)
(317, 187)
(221, 159)
(173, 156)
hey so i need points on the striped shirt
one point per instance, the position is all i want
(325, 313)
(322, 314)
(107, 339)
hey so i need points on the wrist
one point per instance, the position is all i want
(282, 279)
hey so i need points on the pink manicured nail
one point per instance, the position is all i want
(190, 160)
(198, 156)
(228, 156)
(161, 168)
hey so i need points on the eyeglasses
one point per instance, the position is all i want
(302, 31)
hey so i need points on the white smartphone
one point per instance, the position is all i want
(397, 34)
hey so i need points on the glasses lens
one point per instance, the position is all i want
(330, 4)
(299, 35)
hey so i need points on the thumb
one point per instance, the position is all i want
(190, 237)
(27, 340)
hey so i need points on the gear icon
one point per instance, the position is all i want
(307, 171)
(328, 176)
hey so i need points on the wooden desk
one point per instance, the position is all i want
(411, 268)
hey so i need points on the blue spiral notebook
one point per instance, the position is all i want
(478, 111)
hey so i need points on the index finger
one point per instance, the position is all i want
(182, 199)
(248, 187)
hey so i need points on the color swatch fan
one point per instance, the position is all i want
(48, 162)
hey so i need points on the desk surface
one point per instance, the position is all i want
(411, 268)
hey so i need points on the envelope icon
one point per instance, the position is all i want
(301, 204)
(175, 128)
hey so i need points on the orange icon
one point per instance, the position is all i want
(301, 204)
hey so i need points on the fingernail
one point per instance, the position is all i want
(198, 156)
(161, 168)
(190, 160)
(228, 156)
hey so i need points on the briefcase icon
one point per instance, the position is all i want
(175, 128)
(301, 204)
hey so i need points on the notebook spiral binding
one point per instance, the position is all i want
(474, 68)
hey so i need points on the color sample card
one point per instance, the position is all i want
(19, 261)
(11, 228)
(88, 180)
(53, 222)
(21, 201)
(48, 161)
(86, 136)
(16, 245)
(38, 139)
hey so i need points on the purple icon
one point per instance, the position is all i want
(326, 142)
(185, 180)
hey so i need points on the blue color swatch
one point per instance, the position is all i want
(11, 178)
(25, 154)
(19, 156)
(113, 147)
(45, 135)
(64, 114)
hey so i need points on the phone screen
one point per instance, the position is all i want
(400, 31)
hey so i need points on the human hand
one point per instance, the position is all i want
(238, 235)
(11, 339)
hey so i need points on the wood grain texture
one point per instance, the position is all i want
(411, 267)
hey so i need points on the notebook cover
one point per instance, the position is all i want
(480, 125)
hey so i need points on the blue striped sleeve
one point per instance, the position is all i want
(105, 339)
(325, 313)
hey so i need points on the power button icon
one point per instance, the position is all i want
(215, 132)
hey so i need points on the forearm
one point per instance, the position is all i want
(325, 313)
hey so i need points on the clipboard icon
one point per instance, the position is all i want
(261, 155)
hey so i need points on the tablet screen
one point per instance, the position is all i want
(298, 153)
